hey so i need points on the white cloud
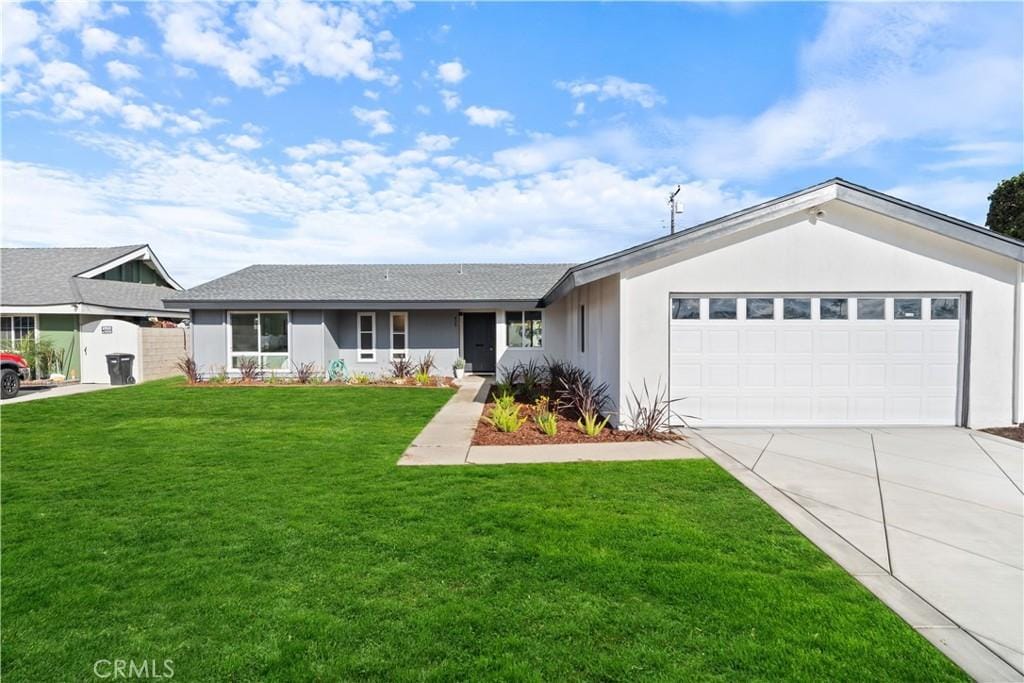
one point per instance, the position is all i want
(332, 41)
(243, 142)
(120, 71)
(96, 41)
(371, 95)
(220, 101)
(452, 72)
(959, 197)
(486, 116)
(612, 88)
(138, 117)
(435, 143)
(377, 119)
(20, 29)
(422, 109)
(943, 75)
(450, 99)
(71, 14)
(183, 71)
(980, 155)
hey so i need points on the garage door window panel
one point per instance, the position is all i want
(760, 309)
(907, 309)
(686, 308)
(834, 309)
(945, 309)
(796, 309)
(870, 309)
(722, 309)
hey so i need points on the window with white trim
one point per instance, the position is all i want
(262, 336)
(524, 329)
(366, 337)
(14, 328)
(399, 335)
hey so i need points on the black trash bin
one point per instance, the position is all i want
(119, 367)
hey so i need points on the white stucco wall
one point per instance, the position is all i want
(847, 250)
(600, 355)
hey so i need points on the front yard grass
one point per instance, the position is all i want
(266, 534)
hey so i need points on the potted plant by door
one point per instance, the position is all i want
(460, 367)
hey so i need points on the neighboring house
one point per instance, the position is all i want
(85, 301)
(834, 305)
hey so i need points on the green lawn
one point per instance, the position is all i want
(265, 533)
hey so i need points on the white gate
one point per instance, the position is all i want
(101, 336)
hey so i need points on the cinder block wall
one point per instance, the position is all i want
(161, 348)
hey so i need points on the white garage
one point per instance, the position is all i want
(817, 358)
(833, 305)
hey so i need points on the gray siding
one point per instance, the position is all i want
(209, 340)
(307, 339)
(436, 331)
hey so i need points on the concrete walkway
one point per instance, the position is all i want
(447, 440)
(31, 393)
(931, 520)
(582, 452)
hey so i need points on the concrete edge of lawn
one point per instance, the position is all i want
(961, 647)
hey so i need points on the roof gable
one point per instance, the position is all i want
(56, 276)
(806, 199)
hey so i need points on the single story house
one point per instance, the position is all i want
(85, 301)
(833, 305)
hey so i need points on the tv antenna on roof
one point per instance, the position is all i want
(675, 206)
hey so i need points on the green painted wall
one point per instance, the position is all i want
(133, 271)
(62, 332)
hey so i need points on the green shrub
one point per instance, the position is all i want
(424, 378)
(506, 418)
(591, 424)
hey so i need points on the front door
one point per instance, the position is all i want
(478, 341)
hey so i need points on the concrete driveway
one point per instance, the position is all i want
(940, 509)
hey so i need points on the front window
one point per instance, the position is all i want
(367, 332)
(524, 329)
(259, 336)
(14, 328)
(399, 335)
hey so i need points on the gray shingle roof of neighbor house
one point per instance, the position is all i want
(47, 277)
(379, 283)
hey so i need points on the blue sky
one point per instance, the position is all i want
(232, 134)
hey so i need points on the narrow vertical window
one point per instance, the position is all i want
(399, 335)
(366, 330)
(583, 329)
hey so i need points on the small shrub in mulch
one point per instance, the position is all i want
(530, 435)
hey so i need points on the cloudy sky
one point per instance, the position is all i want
(282, 132)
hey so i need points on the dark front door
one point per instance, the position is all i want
(478, 340)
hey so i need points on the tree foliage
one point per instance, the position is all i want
(1006, 207)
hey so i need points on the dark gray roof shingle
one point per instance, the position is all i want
(415, 282)
(46, 277)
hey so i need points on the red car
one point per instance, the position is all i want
(14, 370)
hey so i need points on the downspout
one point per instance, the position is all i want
(1018, 345)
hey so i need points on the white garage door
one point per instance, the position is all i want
(825, 359)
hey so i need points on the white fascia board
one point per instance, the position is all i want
(144, 254)
(36, 310)
(89, 309)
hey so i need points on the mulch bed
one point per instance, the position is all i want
(1015, 433)
(530, 435)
